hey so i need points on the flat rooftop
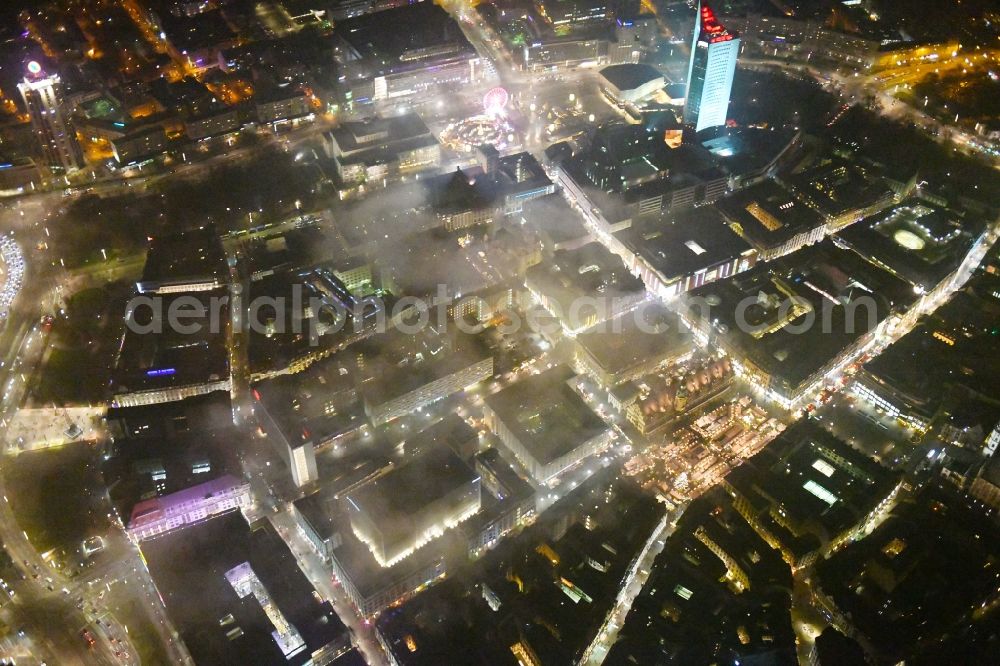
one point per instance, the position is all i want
(359, 135)
(631, 339)
(393, 502)
(516, 486)
(955, 337)
(630, 76)
(552, 216)
(169, 357)
(823, 279)
(451, 432)
(398, 363)
(818, 479)
(191, 33)
(768, 215)
(567, 599)
(281, 335)
(405, 37)
(588, 271)
(680, 244)
(689, 608)
(748, 150)
(328, 516)
(219, 627)
(546, 415)
(919, 242)
(142, 469)
(191, 256)
(313, 405)
(839, 186)
(201, 414)
(929, 566)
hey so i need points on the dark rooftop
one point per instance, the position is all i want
(171, 357)
(546, 415)
(390, 502)
(622, 343)
(678, 245)
(217, 626)
(767, 214)
(398, 363)
(821, 277)
(920, 243)
(823, 485)
(630, 76)
(314, 405)
(405, 37)
(191, 256)
(839, 186)
(358, 135)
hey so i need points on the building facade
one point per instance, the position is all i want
(159, 515)
(43, 99)
(710, 71)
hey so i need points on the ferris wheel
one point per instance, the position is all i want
(495, 100)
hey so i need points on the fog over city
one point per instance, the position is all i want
(500, 332)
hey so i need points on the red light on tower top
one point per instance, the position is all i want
(712, 31)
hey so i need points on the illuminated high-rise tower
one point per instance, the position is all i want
(710, 71)
(42, 97)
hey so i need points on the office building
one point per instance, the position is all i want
(317, 408)
(772, 335)
(42, 96)
(924, 571)
(717, 593)
(771, 220)
(583, 287)
(631, 345)
(159, 515)
(488, 193)
(545, 424)
(401, 512)
(158, 362)
(326, 524)
(541, 596)
(406, 51)
(552, 53)
(842, 191)
(674, 254)
(18, 176)
(240, 597)
(808, 492)
(804, 39)
(710, 71)
(140, 145)
(574, 12)
(371, 152)
(632, 171)
(185, 262)
(403, 373)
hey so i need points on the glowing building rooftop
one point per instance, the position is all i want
(411, 505)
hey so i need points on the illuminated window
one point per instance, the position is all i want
(820, 492)
(694, 247)
(823, 467)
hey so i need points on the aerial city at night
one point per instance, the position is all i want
(499, 332)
